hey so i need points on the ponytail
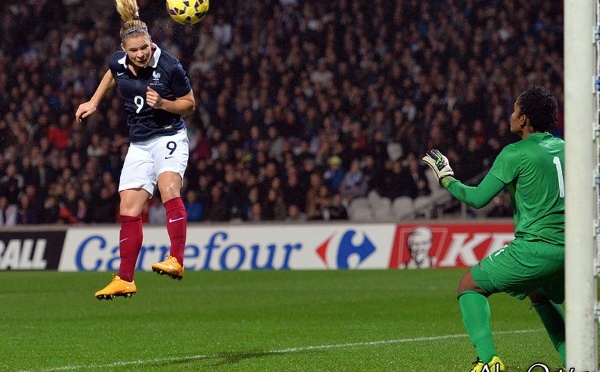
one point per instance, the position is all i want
(129, 12)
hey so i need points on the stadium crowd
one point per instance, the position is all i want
(302, 104)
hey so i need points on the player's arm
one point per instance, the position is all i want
(86, 109)
(181, 105)
(476, 197)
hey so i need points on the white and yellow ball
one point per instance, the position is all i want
(187, 12)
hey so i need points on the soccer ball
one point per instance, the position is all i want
(187, 12)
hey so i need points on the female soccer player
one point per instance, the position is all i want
(532, 265)
(156, 92)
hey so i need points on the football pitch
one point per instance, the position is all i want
(406, 320)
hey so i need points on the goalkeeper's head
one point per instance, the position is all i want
(540, 106)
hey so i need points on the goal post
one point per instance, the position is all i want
(581, 182)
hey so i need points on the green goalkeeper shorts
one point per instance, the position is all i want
(523, 267)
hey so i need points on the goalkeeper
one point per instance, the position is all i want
(532, 265)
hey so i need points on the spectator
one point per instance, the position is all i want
(26, 213)
(313, 206)
(218, 208)
(105, 207)
(473, 160)
(203, 190)
(353, 184)
(255, 213)
(416, 181)
(51, 211)
(95, 148)
(252, 197)
(28, 172)
(11, 184)
(335, 209)
(293, 191)
(156, 212)
(8, 212)
(82, 213)
(319, 209)
(334, 175)
(58, 134)
(391, 183)
(273, 207)
(222, 32)
(193, 207)
(295, 214)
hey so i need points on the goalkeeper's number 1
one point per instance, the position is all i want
(561, 180)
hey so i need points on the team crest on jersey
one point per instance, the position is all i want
(156, 78)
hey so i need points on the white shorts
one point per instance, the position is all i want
(146, 160)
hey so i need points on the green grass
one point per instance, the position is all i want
(405, 320)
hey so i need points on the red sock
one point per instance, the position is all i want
(177, 227)
(130, 243)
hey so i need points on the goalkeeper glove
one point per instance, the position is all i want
(439, 164)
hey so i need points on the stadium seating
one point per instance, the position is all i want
(393, 99)
(402, 208)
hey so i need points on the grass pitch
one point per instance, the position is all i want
(404, 320)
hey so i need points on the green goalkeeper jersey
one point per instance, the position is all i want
(532, 171)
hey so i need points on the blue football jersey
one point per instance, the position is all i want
(166, 76)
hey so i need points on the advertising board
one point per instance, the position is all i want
(296, 247)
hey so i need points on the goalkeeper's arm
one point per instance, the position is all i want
(475, 196)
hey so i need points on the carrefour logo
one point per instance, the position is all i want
(352, 250)
(220, 251)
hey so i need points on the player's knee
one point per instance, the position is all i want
(169, 187)
(467, 283)
(131, 206)
(129, 209)
(168, 192)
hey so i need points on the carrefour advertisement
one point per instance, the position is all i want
(296, 247)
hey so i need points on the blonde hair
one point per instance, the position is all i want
(129, 11)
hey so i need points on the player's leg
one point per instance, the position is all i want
(131, 234)
(169, 184)
(130, 243)
(171, 155)
(476, 318)
(135, 188)
(553, 318)
(548, 291)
